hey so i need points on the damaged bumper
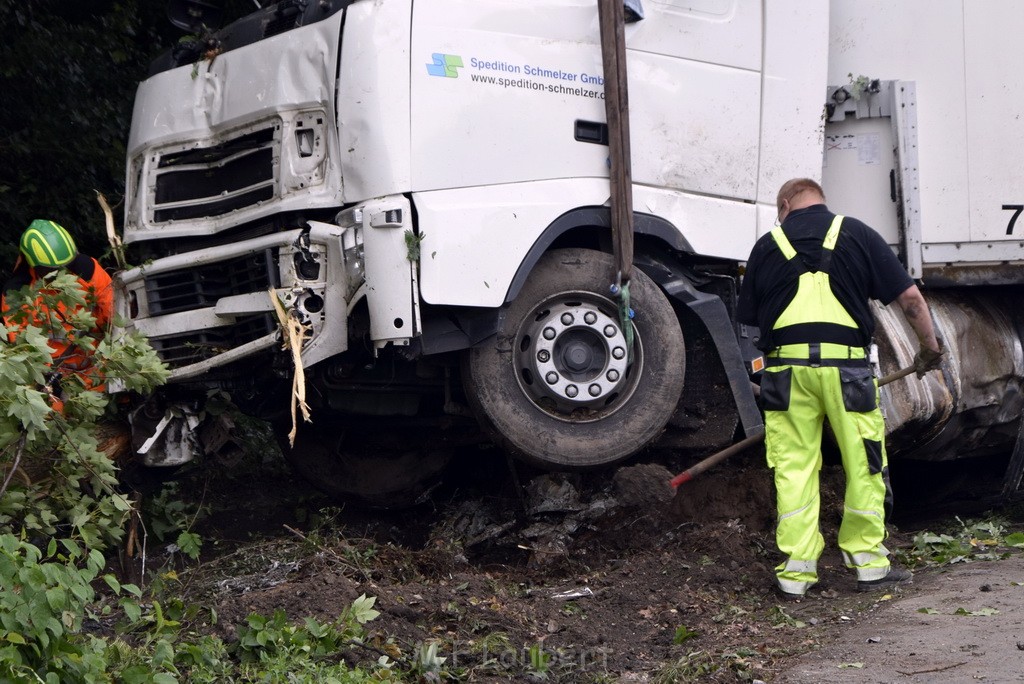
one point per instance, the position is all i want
(205, 309)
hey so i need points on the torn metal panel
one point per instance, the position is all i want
(972, 406)
(169, 441)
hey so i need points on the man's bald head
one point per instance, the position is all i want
(797, 194)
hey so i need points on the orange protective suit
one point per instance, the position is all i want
(72, 349)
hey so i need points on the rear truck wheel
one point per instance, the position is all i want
(556, 384)
(382, 467)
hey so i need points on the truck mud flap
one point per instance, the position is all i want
(711, 310)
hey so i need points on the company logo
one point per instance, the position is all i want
(444, 65)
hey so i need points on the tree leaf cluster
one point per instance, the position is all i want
(67, 485)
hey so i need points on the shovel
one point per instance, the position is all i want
(715, 459)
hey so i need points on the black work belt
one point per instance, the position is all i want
(816, 354)
(817, 363)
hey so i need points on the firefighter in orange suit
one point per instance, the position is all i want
(47, 247)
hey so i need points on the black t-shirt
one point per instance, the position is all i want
(862, 268)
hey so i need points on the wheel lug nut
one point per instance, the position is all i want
(612, 375)
(609, 331)
(543, 356)
(571, 391)
(551, 377)
(590, 318)
(595, 390)
(619, 352)
(567, 319)
(549, 333)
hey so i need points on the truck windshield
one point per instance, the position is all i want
(270, 20)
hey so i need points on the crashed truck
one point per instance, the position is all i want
(424, 188)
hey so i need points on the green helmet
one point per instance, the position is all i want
(46, 243)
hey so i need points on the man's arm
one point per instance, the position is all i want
(746, 309)
(915, 308)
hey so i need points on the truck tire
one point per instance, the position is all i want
(556, 385)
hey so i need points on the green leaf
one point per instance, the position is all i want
(72, 547)
(131, 610)
(163, 655)
(980, 612)
(83, 592)
(14, 638)
(29, 407)
(1015, 539)
(112, 582)
(928, 611)
(683, 634)
(362, 609)
(190, 543)
(56, 597)
(137, 674)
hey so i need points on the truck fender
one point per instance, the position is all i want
(460, 328)
(599, 217)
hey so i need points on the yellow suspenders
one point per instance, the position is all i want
(814, 301)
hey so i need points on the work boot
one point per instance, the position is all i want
(786, 596)
(789, 596)
(895, 577)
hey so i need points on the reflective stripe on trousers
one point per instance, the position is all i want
(796, 576)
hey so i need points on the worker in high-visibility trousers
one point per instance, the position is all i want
(807, 287)
(46, 247)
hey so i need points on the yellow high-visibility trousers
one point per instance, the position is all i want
(797, 399)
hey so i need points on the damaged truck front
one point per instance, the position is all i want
(424, 188)
(236, 198)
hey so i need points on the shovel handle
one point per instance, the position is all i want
(725, 453)
(715, 459)
(901, 373)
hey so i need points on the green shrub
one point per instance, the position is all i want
(62, 495)
(42, 606)
(70, 487)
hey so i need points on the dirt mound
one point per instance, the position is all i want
(607, 577)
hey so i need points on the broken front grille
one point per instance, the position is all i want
(212, 181)
(194, 346)
(201, 287)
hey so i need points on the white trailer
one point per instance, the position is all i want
(425, 185)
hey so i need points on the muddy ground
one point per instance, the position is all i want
(613, 577)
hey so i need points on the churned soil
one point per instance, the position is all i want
(614, 577)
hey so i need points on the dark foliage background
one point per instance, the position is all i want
(68, 73)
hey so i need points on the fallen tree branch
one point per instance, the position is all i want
(15, 463)
(933, 669)
(116, 246)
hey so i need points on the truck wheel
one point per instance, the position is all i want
(387, 468)
(556, 383)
